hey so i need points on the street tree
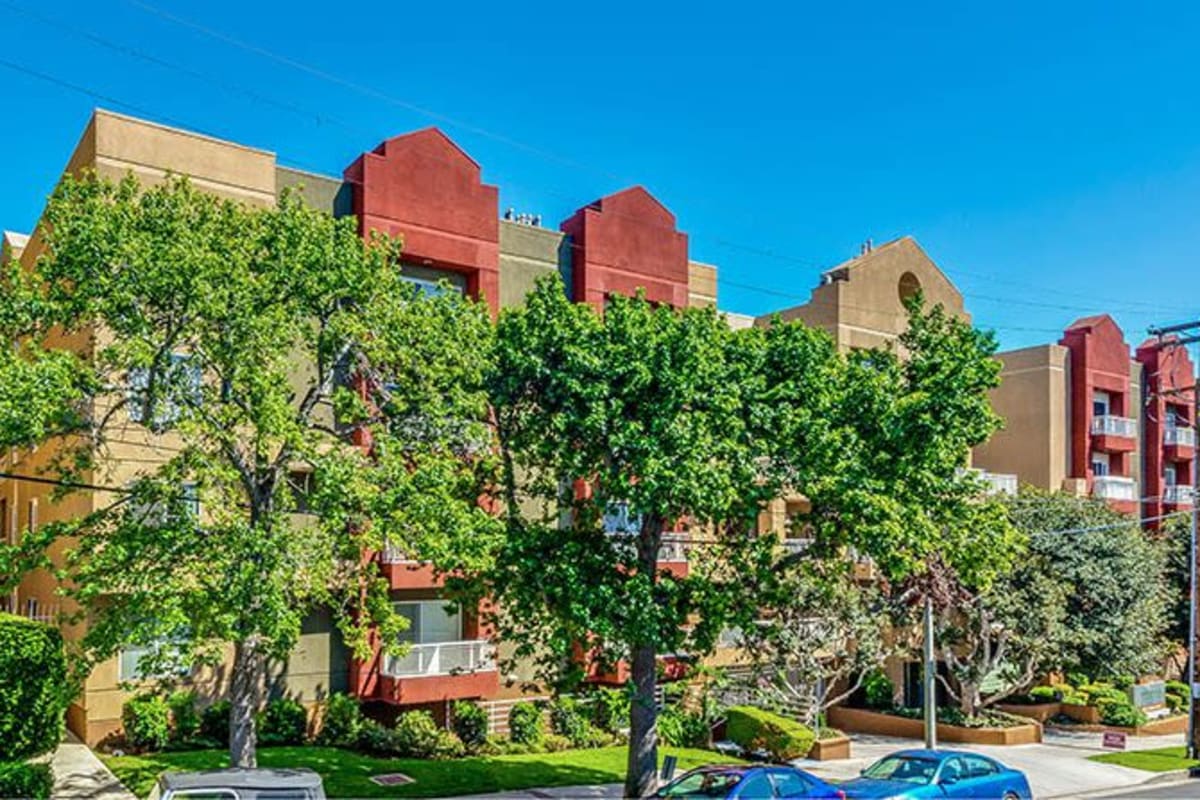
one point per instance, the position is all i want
(615, 429)
(300, 403)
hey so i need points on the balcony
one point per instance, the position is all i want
(1179, 443)
(405, 572)
(1114, 434)
(1177, 495)
(441, 658)
(1119, 491)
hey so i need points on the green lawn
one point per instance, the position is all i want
(347, 774)
(1163, 759)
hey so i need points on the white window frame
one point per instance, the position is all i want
(437, 606)
(135, 652)
(138, 381)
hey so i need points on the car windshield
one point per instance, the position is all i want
(909, 769)
(712, 783)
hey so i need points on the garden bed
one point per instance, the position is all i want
(1166, 726)
(1036, 711)
(830, 748)
(857, 720)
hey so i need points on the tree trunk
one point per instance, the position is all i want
(968, 697)
(244, 686)
(640, 771)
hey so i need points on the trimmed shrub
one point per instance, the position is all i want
(1177, 687)
(879, 690)
(1078, 679)
(1124, 715)
(185, 722)
(376, 739)
(553, 743)
(610, 709)
(417, 735)
(26, 780)
(680, 728)
(566, 719)
(470, 723)
(1044, 694)
(1175, 703)
(755, 729)
(214, 722)
(525, 724)
(284, 721)
(146, 720)
(340, 722)
(33, 688)
(1123, 682)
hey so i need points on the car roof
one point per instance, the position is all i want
(937, 755)
(242, 779)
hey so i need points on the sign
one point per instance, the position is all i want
(1146, 695)
(1114, 740)
(668, 767)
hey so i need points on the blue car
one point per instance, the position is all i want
(919, 774)
(749, 783)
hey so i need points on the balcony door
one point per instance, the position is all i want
(430, 622)
(1169, 475)
(1101, 404)
(1100, 465)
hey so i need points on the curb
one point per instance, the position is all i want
(1174, 777)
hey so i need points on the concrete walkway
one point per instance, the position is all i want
(79, 775)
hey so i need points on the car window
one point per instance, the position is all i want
(978, 767)
(953, 771)
(757, 787)
(789, 783)
(702, 784)
(203, 794)
(903, 768)
(282, 794)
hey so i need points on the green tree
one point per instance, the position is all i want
(613, 428)
(1114, 576)
(820, 634)
(315, 403)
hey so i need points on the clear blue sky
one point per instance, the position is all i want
(1046, 155)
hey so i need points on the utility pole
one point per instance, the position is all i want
(930, 677)
(1193, 330)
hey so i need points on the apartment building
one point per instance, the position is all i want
(1089, 415)
(423, 187)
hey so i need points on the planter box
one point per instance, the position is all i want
(857, 720)
(1088, 715)
(1039, 711)
(830, 749)
(1155, 727)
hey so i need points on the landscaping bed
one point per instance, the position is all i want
(995, 728)
(348, 774)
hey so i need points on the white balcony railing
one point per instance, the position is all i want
(442, 658)
(1114, 487)
(674, 548)
(1000, 482)
(796, 546)
(394, 555)
(1178, 495)
(1180, 436)
(1109, 425)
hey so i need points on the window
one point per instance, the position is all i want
(1100, 464)
(790, 783)
(909, 769)
(706, 783)
(953, 771)
(31, 515)
(165, 650)
(1101, 403)
(908, 287)
(757, 787)
(180, 382)
(430, 622)
(979, 767)
(619, 519)
(433, 282)
(1169, 475)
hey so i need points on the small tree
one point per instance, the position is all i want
(290, 381)
(820, 634)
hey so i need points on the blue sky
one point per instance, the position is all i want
(1046, 155)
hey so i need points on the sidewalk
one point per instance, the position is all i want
(79, 775)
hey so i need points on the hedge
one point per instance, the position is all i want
(754, 729)
(146, 721)
(26, 780)
(33, 688)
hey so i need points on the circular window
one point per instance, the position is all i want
(909, 286)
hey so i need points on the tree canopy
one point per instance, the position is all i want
(302, 403)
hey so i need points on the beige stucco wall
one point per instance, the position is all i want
(859, 301)
(1032, 400)
(702, 284)
(528, 253)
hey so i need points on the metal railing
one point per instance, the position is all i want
(1108, 425)
(391, 554)
(1114, 487)
(1179, 435)
(1178, 495)
(796, 546)
(674, 548)
(442, 658)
